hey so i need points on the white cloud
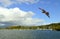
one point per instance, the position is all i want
(27, 1)
(18, 17)
(6, 3)
(2, 24)
(45, 2)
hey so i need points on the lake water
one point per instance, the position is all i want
(29, 34)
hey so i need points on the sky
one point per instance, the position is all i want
(26, 12)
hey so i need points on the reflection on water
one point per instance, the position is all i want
(29, 34)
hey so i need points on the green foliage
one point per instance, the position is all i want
(53, 26)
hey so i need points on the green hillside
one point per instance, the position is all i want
(53, 26)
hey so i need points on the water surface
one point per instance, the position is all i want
(29, 34)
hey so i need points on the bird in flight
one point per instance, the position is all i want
(45, 12)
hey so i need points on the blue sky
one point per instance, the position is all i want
(52, 6)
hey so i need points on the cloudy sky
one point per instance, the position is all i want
(26, 12)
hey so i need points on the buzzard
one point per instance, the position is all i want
(45, 12)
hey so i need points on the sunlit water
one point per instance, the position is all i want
(29, 34)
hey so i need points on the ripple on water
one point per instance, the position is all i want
(29, 34)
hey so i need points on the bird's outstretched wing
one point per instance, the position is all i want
(45, 12)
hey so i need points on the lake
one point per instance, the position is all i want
(29, 34)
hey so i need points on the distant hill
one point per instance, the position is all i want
(53, 26)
